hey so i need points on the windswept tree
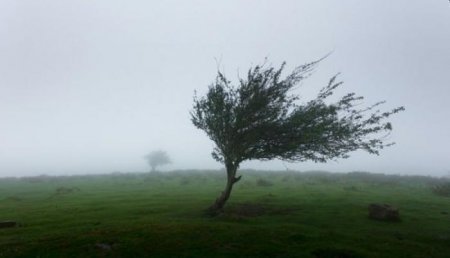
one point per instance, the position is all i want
(157, 158)
(262, 119)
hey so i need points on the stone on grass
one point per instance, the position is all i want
(103, 246)
(383, 212)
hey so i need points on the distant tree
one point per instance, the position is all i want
(261, 119)
(157, 158)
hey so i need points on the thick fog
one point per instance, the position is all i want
(93, 86)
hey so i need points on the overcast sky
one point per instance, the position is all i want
(93, 86)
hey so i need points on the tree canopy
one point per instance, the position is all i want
(157, 158)
(261, 118)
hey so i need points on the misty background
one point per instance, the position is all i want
(93, 86)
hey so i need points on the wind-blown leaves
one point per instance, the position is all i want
(261, 119)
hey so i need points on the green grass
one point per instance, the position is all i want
(312, 214)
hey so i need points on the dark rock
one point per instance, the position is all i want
(383, 212)
(8, 224)
(103, 246)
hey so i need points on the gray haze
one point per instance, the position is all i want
(93, 86)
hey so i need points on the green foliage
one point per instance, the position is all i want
(261, 119)
(157, 158)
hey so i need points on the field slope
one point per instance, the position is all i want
(270, 214)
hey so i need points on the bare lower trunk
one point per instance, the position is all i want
(217, 206)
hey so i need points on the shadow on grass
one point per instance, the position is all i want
(251, 209)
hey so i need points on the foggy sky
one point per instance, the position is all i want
(93, 86)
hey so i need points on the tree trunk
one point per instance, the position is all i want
(217, 206)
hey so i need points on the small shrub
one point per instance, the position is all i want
(66, 190)
(351, 188)
(286, 178)
(263, 182)
(442, 189)
(36, 179)
(184, 181)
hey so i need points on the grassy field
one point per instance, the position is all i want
(284, 214)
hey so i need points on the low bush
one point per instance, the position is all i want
(263, 182)
(442, 189)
